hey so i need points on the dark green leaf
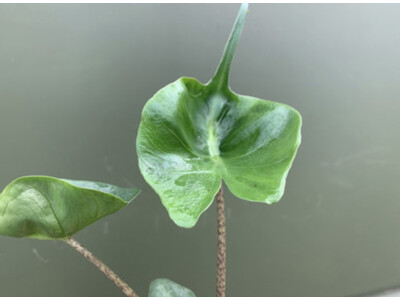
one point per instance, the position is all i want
(192, 136)
(163, 287)
(45, 207)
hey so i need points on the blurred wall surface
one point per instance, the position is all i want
(75, 77)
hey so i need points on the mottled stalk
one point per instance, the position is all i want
(221, 245)
(102, 267)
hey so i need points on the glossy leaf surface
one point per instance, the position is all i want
(45, 207)
(163, 287)
(192, 136)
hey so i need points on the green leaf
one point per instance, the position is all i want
(163, 287)
(192, 136)
(45, 207)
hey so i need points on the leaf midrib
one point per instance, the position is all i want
(55, 216)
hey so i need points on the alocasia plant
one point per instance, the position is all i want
(44, 207)
(193, 135)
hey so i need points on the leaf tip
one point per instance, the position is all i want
(163, 287)
(183, 220)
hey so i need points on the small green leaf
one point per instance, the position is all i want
(192, 136)
(45, 207)
(163, 287)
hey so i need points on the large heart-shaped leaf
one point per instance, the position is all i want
(163, 287)
(45, 207)
(192, 136)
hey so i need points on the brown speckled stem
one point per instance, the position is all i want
(102, 267)
(221, 245)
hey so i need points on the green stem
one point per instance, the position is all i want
(125, 288)
(221, 78)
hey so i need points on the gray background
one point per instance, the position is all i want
(73, 82)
